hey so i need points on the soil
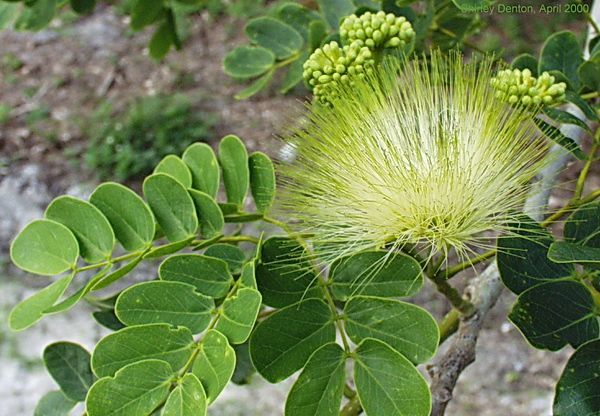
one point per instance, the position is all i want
(70, 71)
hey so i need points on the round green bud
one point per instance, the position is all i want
(514, 86)
(330, 66)
(376, 30)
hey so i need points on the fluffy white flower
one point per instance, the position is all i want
(420, 153)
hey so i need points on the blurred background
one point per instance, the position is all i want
(82, 101)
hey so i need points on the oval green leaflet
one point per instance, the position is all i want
(91, 228)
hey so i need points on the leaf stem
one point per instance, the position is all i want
(584, 172)
(573, 203)
(287, 61)
(454, 270)
(109, 262)
(590, 20)
(240, 238)
(590, 95)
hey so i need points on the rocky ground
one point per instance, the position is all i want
(70, 71)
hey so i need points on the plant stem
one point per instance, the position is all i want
(448, 325)
(240, 238)
(349, 391)
(454, 297)
(573, 203)
(111, 261)
(590, 20)
(287, 61)
(590, 95)
(454, 270)
(585, 171)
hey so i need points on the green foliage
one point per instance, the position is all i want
(91, 228)
(164, 302)
(523, 258)
(54, 403)
(580, 379)
(210, 276)
(370, 273)
(283, 276)
(572, 319)
(319, 388)
(238, 314)
(218, 311)
(387, 383)
(69, 365)
(214, 364)
(555, 306)
(562, 53)
(308, 325)
(137, 388)
(32, 309)
(45, 247)
(171, 345)
(172, 206)
(130, 145)
(406, 328)
(187, 399)
(128, 215)
(236, 174)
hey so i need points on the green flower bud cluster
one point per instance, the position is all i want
(519, 87)
(376, 30)
(332, 65)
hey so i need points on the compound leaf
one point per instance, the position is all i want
(278, 37)
(553, 314)
(284, 276)
(187, 399)
(233, 158)
(209, 214)
(69, 366)
(248, 61)
(203, 165)
(262, 181)
(32, 309)
(578, 386)
(54, 403)
(175, 167)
